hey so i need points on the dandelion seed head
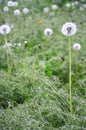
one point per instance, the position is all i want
(68, 5)
(69, 29)
(48, 32)
(25, 42)
(17, 12)
(76, 2)
(54, 7)
(25, 10)
(46, 10)
(10, 3)
(4, 29)
(15, 3)
(5, 9)
(76, 46)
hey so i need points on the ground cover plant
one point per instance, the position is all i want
(43, 65)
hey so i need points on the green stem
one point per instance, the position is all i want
(70, 82)
(8, 64)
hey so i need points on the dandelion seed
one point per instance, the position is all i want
(69, 29)
(54, 7)
(76, 46)
(48, 32)
(46, 10)
(10, 4)
(6, 9)
(17, 12)
(25, 10)
(4, 29)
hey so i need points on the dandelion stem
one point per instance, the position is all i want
(70, 82)
(8, 64)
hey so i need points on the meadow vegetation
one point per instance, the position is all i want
(34, 83)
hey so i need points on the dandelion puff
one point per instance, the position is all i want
(76, 46)
(69, 29)
(17, 12)
(25, 42)
(25, 10)
(4, 29)
(54, 7)
(76, 2)
(5, 9)
(15, 3)
(48, 32)
(10, 3)
(68, 5)
(46, 10)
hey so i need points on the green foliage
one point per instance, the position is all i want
(36, 97)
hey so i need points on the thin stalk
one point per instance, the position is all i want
(8, 60)
(70, 81)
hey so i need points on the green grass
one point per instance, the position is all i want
(37, 95)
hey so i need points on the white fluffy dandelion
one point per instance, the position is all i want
(17, 12)
(5, 9)
(10, 3)
(69, 29)
(68, 5)
(76, 46)
(4, 29)
(76, 2)
(15, 3)
(48, 32)
(54, 7)
(46, 10)
(25, 10)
